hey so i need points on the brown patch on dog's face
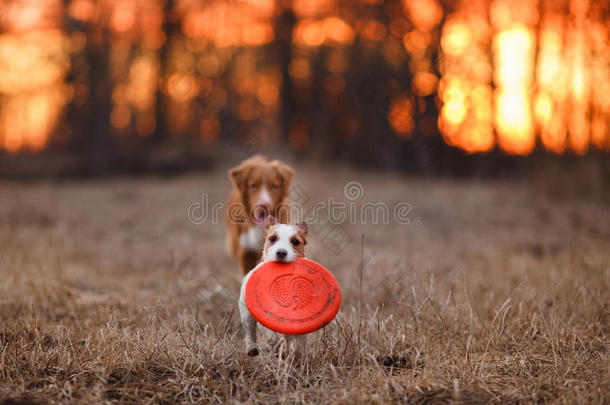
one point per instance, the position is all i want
(263, 185)
(298, 242)
(270, 239)
(301, 238)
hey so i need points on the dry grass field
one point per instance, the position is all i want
(495, 291)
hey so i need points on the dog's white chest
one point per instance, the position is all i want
(253, 239)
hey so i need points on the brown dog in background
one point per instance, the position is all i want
(260, 189)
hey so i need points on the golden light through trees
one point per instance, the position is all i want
(33, 66)
(517, 75)
(466, 116)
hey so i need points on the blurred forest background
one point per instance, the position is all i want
(427, 86)
(486, 122)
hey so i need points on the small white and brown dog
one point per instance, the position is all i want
(283, 243)
(260, 190)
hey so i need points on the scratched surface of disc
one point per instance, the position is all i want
(292, 298)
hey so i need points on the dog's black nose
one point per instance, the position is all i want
(281, 253)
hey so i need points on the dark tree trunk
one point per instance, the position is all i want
(99, 145)
(88, 121)
(170, 27)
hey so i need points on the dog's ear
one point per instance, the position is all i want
(303, 227)
(285, 171)
(236, 175)
(271, 220)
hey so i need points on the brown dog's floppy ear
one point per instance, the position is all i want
(303, 227)
(271, 220)
(285, 171)
(236, 175)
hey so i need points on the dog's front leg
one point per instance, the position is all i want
(249, 325)
(272, 337)
(251, 243)
(247, 321)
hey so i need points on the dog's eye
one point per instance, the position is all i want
(272, 239)
(295, 242)
(274, 185)
(253, 185)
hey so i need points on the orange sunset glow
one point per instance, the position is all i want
(482, 74)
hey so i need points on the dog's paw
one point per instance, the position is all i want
(252, 352)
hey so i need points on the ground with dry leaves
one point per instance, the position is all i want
(496, 290)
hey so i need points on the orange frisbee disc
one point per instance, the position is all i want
(292, 298)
